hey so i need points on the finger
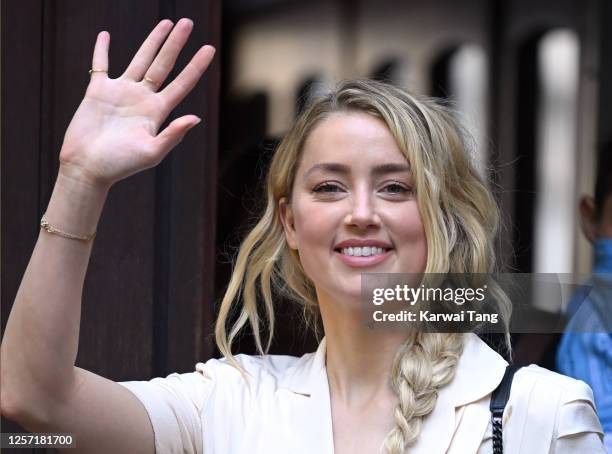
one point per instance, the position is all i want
(174, 133)
(189, 76)
(145, 55)
(99, 63)
(165, 60)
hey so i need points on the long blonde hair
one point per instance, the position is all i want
(459, 215)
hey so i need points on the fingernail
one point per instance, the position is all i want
(198, 121)
(187, 21)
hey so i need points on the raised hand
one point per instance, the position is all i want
(114, 132)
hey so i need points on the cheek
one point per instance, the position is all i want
(315, 225)
(406, 222)
(407, 230)
(316, 230)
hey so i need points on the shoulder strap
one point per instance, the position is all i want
(499, 398)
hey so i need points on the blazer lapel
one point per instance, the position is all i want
(305, 391)
(479, 371)
(471, 429)
(462, 404)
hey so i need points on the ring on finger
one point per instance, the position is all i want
(148, 79)
(96, 70)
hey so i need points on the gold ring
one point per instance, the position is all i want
(148, 79)
(94, 70)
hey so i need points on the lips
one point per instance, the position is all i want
(363, 261)
(362, 242)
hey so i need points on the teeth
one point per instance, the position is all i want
(363, 251)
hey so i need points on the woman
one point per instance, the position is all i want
(369, 179)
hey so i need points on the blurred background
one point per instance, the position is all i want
(527, 76)
(524, 77)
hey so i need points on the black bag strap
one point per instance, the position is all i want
(499, 399)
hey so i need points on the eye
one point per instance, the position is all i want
(327, 187)
(396, 188)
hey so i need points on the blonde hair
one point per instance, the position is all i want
(459, 215)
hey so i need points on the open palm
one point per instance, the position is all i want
(114, 132)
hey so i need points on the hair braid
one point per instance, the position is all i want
(425, 363)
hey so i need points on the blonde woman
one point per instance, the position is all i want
(369, 179)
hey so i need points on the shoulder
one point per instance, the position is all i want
(564, 388)
(263, 373)
(218, 380)
(551, 408)
(254, 365)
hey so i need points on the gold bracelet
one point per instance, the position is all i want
(49, 228)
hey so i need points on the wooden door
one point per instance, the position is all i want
(152, 265)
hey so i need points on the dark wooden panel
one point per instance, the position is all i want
(21, 39)
(193, 203)
(21, 63)
(147, 303)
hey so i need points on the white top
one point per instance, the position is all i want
(288, 409)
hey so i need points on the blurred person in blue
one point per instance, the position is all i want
(585, 351)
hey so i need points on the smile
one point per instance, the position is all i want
(365, 251)
(359, 257)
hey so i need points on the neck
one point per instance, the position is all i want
(358, 359)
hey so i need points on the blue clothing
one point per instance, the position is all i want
(585, 351)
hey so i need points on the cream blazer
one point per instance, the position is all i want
(287, 409)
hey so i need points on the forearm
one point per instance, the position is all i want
(40, 342)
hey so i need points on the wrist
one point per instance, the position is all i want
(76, 203)
(79, 179)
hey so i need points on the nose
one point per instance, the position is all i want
(362, 213)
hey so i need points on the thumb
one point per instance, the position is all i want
(172, 135)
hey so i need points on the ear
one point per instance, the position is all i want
(286, 218)
(587, 218)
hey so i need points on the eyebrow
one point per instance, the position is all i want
(335, 167)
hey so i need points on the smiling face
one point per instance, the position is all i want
(353, 187)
